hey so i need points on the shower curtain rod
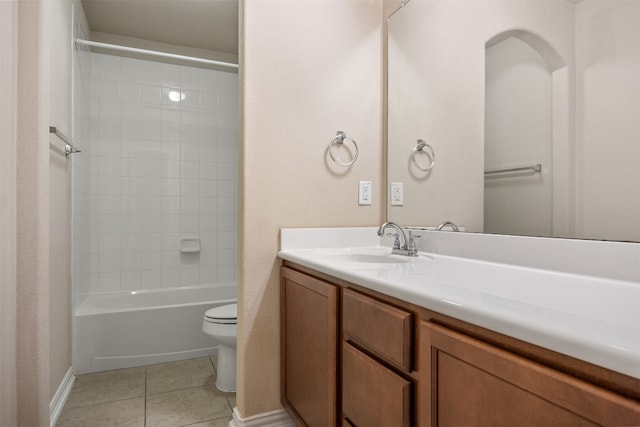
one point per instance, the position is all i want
(155, 53)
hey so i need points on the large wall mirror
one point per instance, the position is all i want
(532, 109)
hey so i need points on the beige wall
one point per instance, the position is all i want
(60, 345)
(35, 288)
(308, 69)
(8, 77)
(607, 126)
(32, 343)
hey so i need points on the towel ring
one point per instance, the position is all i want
(339, 139)
(423, 147)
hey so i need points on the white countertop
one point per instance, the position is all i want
(590, 318)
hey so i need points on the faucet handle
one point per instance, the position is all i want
(414, 242)
(396, 242)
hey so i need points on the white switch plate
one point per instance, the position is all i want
(397, 194)
(364, 193)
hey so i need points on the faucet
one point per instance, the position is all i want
(408, 246)
(447, 224)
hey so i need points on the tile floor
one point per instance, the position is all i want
(171, 394)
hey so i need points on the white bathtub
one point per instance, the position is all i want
(136, 328)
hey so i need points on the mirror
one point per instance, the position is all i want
(532, 110)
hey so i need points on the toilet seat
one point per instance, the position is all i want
(225, 314)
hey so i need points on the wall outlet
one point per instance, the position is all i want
(397, 194)
(364, 193)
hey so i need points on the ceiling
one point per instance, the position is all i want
(203, 24)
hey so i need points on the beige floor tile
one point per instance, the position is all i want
(179, 375)
(185, 407)
(221, 422)
(231, 397)
(102, 387)
(214, 360)
(125, 413)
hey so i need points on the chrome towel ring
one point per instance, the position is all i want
(426, 149)
(339, 139)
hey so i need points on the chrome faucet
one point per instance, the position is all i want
(408, 246)
(447, 224)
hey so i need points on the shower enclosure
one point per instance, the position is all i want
(154, 191)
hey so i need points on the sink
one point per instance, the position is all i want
(367, 258)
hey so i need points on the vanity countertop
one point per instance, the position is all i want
(590, 318)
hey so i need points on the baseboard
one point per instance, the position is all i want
(60, 398)
(278, 418)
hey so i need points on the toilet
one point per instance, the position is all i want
(221, 324)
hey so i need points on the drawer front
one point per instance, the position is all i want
(379, 327)
(372, 395)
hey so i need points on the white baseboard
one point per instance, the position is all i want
(60, 398)
(278, 418)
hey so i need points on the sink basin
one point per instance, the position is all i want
(367, 258)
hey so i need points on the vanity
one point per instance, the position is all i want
(374, 339)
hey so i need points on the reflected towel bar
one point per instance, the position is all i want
(69, 147)
(533, 168)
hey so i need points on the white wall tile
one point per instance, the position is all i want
(208, 188)
(161, 169)
(190, 170)
(190, 188)
(171, 75)
(130, 70)
(107, 67)
(208, 275)
(109, 281)
(189, 205)
(190, 276)
(131, 261)
(151, 223)
(170, 278)
(150, 260)
(130, 280)
(130, 91)
(208, 171)
(151, 73)
(150, 241)
(190, 152)
(190, 78)
(208, 206)
(208, 223)
(151, 279)
(150, 94)
(171, 259)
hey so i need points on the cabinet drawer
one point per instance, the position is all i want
(372, 395)
(379, 327)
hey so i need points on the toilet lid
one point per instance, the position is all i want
(223, 314)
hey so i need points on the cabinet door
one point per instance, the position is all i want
(372, 395)
(309, 348)
(468, 382)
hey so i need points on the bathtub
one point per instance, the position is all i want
(136, 328)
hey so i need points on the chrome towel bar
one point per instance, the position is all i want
(69, 148)
(533, 168)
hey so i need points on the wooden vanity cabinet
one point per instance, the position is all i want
(354, 357)
(472, 383)
(309, 348)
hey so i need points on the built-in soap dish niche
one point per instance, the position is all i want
(189, 245)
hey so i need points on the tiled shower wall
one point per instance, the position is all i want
(164, 157)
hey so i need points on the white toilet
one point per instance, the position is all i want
(221, 324)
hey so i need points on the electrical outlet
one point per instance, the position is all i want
(397, 194)
(364, 193)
